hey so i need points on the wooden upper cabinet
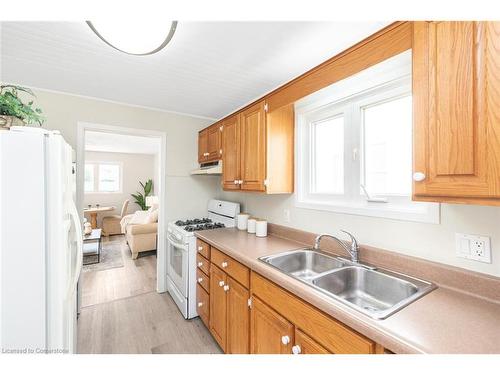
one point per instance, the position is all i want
(203, 146)
(238, 318)
(253, 148)
(231, 153)
(214, 149)
(270, 332)
(456, 94)
(218, 306)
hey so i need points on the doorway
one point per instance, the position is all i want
(140, 138)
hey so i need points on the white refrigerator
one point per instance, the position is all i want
(40, 242)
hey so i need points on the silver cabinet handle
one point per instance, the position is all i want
(200, 248)
(200, 304)
(285, 340)
(226, 288)
(236, 182)
(200, 264)
(224, 264)
(200, 280)
(418, 176)
(296, 349)
(221, 283)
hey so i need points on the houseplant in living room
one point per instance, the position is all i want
(140, 198)
(14, 111)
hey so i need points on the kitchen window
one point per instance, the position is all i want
(103, 177)
(354, 146)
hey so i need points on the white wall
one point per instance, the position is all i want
(430, 241)
(187, 195)
(135, 168)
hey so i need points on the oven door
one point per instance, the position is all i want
(177, 270)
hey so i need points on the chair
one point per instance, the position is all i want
(111, 224)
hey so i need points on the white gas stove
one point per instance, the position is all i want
(181, 259)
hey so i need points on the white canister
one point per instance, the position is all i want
(242, 221)
(252, 224)
(261, 228)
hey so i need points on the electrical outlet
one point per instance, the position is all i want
(473, 247)
(286, 215)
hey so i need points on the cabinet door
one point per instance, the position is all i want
(456, 91)
(253, 148)
(203, 304)
(306, 345)
(238, 318)
(202, 146)
(270, 333)
(231, 153)
(218, 306)
(213, 142)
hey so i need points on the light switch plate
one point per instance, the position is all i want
(474, 247)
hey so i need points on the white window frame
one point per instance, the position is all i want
(96, 165)
(384, 82)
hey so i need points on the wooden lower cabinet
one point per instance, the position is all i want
(307, 345)
(229, 312)
(270, 332)
(218, 306)
(203, 304)
(238, 318)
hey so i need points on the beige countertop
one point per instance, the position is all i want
(443, 321)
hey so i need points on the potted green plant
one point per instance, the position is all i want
(140, 198)
(13, 111)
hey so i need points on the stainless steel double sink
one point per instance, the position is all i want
(375, 292)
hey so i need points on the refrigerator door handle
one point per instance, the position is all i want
(79, 245)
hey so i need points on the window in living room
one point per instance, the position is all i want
(101, 177)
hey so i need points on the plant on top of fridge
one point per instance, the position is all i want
(14, 111)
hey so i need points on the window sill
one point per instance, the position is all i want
(416, 211)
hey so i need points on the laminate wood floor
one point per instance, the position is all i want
(122, 313)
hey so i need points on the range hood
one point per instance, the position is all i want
(209, 168)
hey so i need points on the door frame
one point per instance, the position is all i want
(160, 186)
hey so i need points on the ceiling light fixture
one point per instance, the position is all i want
(135, 38)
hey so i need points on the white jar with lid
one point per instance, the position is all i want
(252, 224)
(242, 221)
(261, 228)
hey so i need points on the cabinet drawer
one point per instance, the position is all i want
(233, 268)
(330, 333)
(203, 280)
(202, 304)
(202, 263)
(203, 248)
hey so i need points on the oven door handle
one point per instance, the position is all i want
(176, 243)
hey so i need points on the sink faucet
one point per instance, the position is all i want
(353, 251)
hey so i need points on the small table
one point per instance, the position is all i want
(93, 211)
(92, 244)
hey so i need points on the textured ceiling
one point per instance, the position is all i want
(209, 69)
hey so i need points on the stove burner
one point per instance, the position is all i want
(209, 225)
(182, 223)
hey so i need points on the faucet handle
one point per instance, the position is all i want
(354, 242)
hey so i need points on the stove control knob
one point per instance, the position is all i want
(224, 264)
(221, 283)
